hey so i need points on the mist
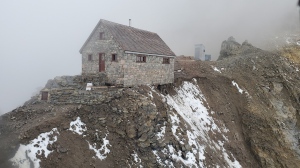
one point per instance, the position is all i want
(41, 39)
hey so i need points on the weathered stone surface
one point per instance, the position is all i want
(131, 131)
(124, 70)
(143, 138)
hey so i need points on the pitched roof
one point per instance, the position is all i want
(135, 40)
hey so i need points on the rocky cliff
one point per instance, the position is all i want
(240, 111)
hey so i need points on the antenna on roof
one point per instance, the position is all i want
(129, 22)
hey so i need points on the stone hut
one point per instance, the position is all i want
(127, 56)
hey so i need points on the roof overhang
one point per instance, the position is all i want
(158, 55)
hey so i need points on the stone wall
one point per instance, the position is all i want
(125, 71)
(153, 71)
(107, 46)
(76, 82)
(72, 96)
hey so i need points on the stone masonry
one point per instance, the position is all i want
(125, 70)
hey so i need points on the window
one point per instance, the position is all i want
(140, 58)
(44, 95)
(101, 36)
(114, 57)
(90, 57)
(166, 60)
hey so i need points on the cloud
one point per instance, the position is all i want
(41, 39)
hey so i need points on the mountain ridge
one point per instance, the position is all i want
(240, 111)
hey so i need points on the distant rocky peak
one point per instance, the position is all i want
(231, 38)
(246, 43)
(229, 48)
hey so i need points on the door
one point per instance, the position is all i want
(101, 62)
(44, 95)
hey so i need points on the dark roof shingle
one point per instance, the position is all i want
(137, 40)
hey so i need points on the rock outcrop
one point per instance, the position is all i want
(241, 111)
(231, 48)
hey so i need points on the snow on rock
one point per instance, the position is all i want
(175, 123)
(237, 86)
(190, 105)
(77, 126)
(239, 89)
(177, 155)
(161, 134)
(102, 152)
(38, 146)
(216, 69)
(136, 159)
(157, 157)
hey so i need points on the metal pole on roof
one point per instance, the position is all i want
(129, 22)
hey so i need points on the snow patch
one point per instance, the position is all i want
(175, 122)
(77, 126)
(161, 134)
(157, 158)
(150, 94)
(102, 152)
(239, 89)
(38, 146)
(216, 69)
(136, 159)
(177, 155)
(190, 104)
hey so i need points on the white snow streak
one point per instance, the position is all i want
(157, 157)
(175, 123)
(161, 134)
(37, 146)
(239, 89)
(216, 69)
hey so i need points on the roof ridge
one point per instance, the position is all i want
(133, 39)
(127, 26)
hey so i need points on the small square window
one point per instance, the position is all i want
(90, 57)
(166, 60)
(101, 35)
(140, 58)
(114, 57)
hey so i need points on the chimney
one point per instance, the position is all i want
(129, 22)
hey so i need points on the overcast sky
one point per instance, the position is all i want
(40, 39)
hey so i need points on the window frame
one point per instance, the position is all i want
(166, 60)
(44, 95)
(90, 57)
(114, 57)
(141, 58)
(101, 35)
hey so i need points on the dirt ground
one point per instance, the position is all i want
(257, 137)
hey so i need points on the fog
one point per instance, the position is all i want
(41, 39)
